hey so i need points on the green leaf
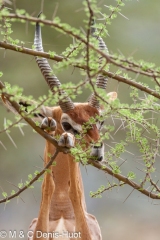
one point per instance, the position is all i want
(4, 194)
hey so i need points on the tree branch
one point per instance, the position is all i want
(85, 67)
(124, 179)
(57, 58)
(66, 150)
(33, 180)
(23, 114)
(60, 26)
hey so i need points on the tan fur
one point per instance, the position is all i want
(63, 206)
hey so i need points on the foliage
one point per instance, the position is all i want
(134, 119)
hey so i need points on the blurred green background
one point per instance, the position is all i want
(136, 218)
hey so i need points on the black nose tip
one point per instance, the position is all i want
(100, 158)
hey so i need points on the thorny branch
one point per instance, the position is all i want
(110, 59)
(33, 180)
(110, 187)
(16, 106)
(106, 169)
(125, 180)
(57, 58)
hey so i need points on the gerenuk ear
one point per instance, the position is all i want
(112, 96)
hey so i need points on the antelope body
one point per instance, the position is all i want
(63, 209)
(63, 213)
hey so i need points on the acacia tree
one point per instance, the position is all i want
(136, 117)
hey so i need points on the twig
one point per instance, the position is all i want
(33, 180)
(84, 67)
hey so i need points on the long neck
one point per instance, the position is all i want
(76, 195)
(61, 205)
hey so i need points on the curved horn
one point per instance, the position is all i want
(101, 81)
(65, 104)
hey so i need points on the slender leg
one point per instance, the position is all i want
(48, 187)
